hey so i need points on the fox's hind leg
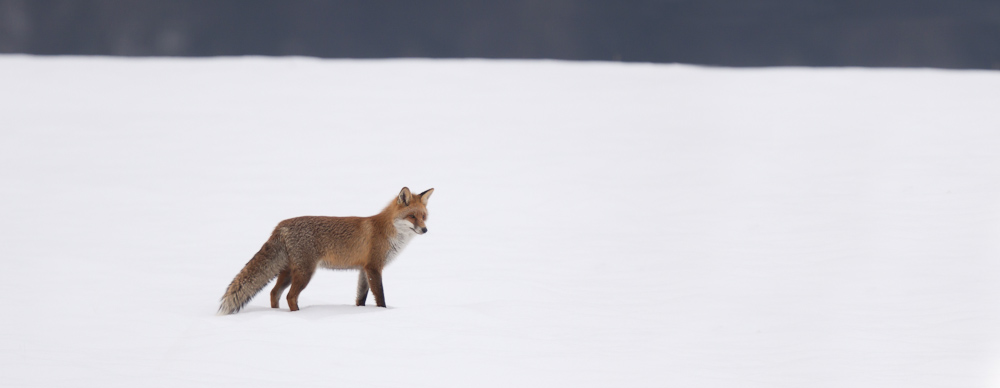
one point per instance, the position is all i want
(284, 279)
(300, 278)
(362, 288)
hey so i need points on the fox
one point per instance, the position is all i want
(298, 246)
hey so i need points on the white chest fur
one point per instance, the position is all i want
(404, 233)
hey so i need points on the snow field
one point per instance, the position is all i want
(593, 224)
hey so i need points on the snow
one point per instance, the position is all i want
(593, 224)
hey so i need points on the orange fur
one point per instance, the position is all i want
(299, 245)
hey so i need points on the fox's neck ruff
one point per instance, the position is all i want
(404, 233)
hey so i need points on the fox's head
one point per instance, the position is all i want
(412, 210)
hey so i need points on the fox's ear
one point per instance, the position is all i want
(404, 197)
(425, 196)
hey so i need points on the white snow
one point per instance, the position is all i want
(593, 224)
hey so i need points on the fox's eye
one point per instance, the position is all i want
(411, 217)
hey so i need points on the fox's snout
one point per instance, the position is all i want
(412, 224)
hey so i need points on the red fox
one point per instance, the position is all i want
(299, 245)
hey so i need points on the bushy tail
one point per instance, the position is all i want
(264, 266)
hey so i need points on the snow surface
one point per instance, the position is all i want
(593, 224)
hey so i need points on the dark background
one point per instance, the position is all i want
(896, 33)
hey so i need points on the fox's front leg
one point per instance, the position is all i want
(362, 288)
(375, 284)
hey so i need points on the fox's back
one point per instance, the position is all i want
(336, 242)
